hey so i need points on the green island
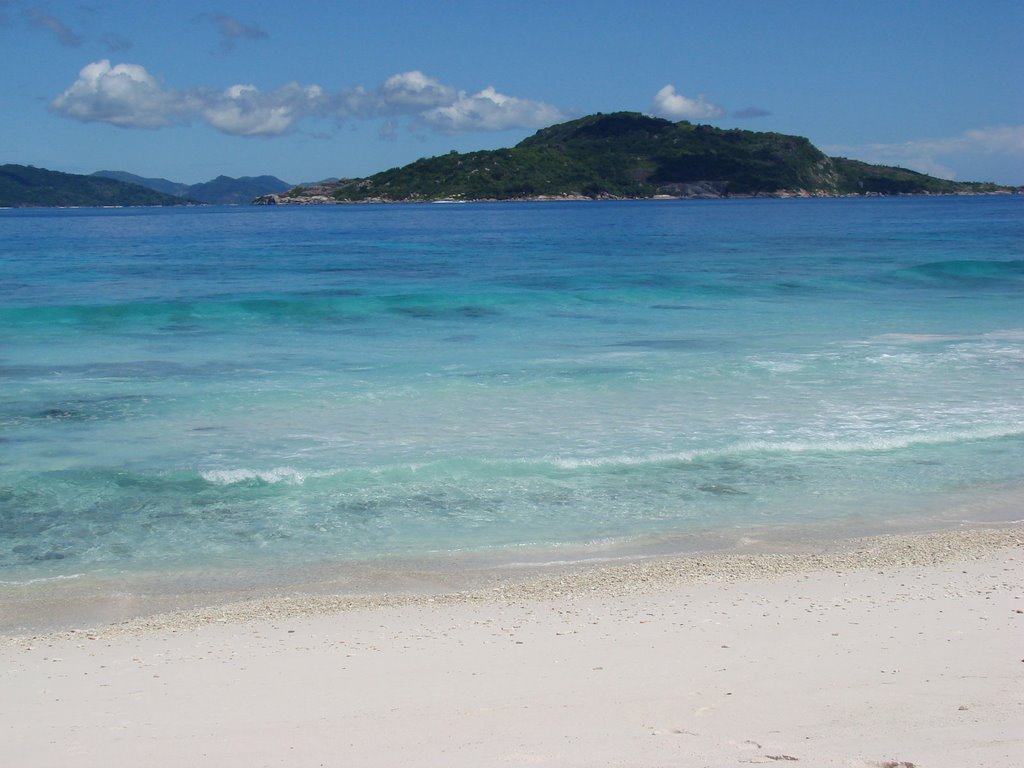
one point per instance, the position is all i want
(24, 186)
(627, 155)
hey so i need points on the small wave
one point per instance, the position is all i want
(41, 580)
(838, 446)
(963, 272)
(284, 476)
(1011, 334)
(881, 442)
(559, 464)
(272, 476)
(912, 338)
(627, 461)
(581, 560)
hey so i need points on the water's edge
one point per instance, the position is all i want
(136, 601)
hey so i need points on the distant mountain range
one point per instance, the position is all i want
(627, 155)
(28, 186)
(222, 190)
(623, 155)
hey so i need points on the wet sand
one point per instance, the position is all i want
(894, 650)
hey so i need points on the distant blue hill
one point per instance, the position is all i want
(222, 190)
(28, 186)
(160, 185)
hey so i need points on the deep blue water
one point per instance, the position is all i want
(239, 387)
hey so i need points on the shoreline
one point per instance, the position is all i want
(49, 602)
(632, 574)
(896, 651)
(318, 199)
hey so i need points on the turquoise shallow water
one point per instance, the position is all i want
(245, 388)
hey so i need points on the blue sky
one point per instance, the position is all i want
(190, 90)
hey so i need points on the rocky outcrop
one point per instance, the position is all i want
(275, 199)
(694, 189)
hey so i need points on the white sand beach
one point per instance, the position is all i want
(896, 651)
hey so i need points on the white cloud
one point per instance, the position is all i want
(489, 110)
(243, 110)
(932, 155)
(129, 96)
(125, 95)
(413, 90)
(1002, 138)
(675, 106)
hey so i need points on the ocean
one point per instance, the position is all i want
(238, 396)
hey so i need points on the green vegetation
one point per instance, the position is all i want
(629, 155)
(25, 186)
(856, 177)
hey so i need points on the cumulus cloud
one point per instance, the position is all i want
(489, 110)
(675, 106)
(244, 110)
(125, 95)
(129, 96)
(932, 155)
(64, 34)
(413, 91)
(232, 30)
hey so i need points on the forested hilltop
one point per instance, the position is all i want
(629, 155)
(24, 186)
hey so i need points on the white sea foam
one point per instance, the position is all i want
(41, 580)
(911, 338)
(779, 366)
(836, 445)
(822, 445)
(1010, 334)
(233, 476)
(881, 442)
(1013, 334)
